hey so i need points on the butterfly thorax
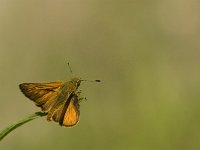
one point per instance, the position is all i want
(70, 87)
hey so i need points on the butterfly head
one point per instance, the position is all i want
(76, 81)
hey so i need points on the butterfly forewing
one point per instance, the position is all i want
(43, 94)
(68, 114)
(71, 116)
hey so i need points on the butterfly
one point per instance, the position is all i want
(60, 100)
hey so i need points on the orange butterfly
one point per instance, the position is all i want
(60, 100)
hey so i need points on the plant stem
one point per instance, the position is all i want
(17, 124)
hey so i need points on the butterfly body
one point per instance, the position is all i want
(58, 99)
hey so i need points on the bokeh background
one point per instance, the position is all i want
(147, 54)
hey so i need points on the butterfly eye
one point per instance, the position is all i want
(78, 83)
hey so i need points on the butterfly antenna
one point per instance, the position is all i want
(70, 69)
(92, 80)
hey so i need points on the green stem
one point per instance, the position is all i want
(17, 124)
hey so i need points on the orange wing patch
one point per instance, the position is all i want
(71, 116)
(68, 115)
(43, 94)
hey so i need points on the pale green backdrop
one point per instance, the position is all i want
(147, 54)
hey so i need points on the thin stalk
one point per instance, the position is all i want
(19, 123)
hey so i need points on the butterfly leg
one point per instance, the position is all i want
(80, 99)
(78, 92)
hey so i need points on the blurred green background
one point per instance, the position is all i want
(147, 54)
